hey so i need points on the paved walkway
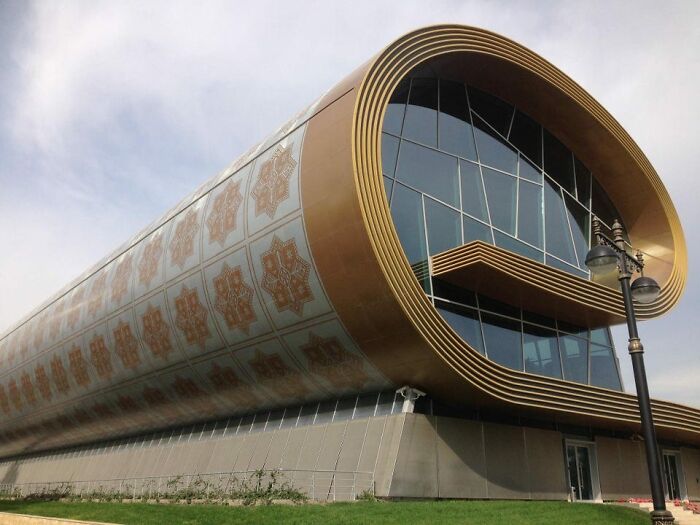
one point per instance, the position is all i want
(10, 518)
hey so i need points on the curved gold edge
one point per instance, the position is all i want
(497, 384)
(592, 300)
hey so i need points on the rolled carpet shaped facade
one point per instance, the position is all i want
(283, 280)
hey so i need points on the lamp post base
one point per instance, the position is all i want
(661, 517)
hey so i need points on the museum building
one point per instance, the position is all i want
(390, 291)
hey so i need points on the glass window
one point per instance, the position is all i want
(453, 293)
(390, 149)
(386, 403)
(603, 368)
(601, 336)
(345, 409)
(444, 229)
(559, 162)
(429, 171)
(493, 150)
(583, 183)
(574, 356)
(393, 118)
(558, 238)
(579, 220)
(528, 171)
(514, 245)
(407, 212)
(325, 411)
(502, 340)
(602, 206)
(501, 194)
(492, 109)
(556, 263)
(473, 201)
(541, 351)
(291, 415)
(476, 231)
(454, 127)
(530, 213)
(492, 305)
(538, 319)
(388, 183)
(464, 321)
(526, 135)
(420, 122)
(366, 405)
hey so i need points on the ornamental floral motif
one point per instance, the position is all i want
(328, 358)
(222, 219)
(156, 333)
(59, 375)
(42, 382)
(21, 341)
(38, 334)
(78, 366)
(74, 310)
(126, 346)
(4, 401)
(187, 389)
(56, 318)
(182, 244)
(274, 373)
(97, 292)
(234, 299)
(102, 411)
(191, 317)
(156, 398)
(100, 358)
(14, 394)
(286, 276)
(150, 259)
(127, 404)
(120, 282)
(272, 186)
(28, 388)
(226, 381)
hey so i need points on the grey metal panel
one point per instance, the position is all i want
(506, 462)
(545, 459)
(415, 474)
(622, 469)
(461, 459)
(690, 459)
(277, 449)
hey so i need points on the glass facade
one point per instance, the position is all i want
(469, 166)
(462, 165)
(528, 342)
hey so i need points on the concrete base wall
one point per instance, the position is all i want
(408, 455)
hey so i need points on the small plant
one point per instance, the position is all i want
(366, 495)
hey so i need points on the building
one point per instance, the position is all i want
(422, 225)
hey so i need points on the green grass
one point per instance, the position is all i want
(443, 512)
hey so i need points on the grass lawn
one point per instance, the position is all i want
(443, 512)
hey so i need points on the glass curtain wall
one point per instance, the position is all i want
(461, 165)
(529, 342)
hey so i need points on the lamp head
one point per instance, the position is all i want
(645, 290)
(601, 259)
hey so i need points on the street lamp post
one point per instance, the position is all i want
(601, 259)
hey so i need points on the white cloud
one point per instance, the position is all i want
(119, 109)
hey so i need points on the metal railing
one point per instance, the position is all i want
(317, 485)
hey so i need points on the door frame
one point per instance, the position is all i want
(593, 458)
(679, 470)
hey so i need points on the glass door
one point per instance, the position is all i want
(672, 475)
(580, 472)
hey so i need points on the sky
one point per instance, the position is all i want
(112, 112)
